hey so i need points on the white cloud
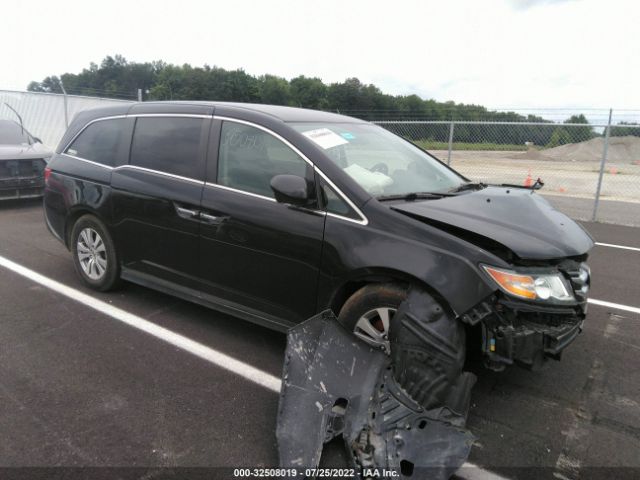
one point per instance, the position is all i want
(500, 53)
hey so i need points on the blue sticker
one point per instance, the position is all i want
(348, 136)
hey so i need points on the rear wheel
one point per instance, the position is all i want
(94, 254)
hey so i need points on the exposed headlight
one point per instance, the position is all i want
(530, 286)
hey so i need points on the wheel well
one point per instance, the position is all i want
(71, 220)
(350, 287)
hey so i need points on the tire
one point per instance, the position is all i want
(94, 254)
(364, 312)
(428, 353)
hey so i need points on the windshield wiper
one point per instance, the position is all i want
(410, 197)
(468, 186)
(537, 185)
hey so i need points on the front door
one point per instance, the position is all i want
(255, 252)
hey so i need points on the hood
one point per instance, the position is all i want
(519, 219)
(23, 151)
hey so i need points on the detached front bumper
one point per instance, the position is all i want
(525, 334)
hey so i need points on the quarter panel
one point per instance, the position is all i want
(75, 186)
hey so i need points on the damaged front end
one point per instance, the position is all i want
(403, 413)
(518, 331)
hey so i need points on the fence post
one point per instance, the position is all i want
(139, 94)
(66, 113)
(605, 150)
(451, 125)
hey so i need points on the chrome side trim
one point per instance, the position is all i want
(107, 167)
(362, 221)
(135, 167)
(115, 117)
(243, 192)
(187, 115)
(158, 172)
(135, 115)
(270, 132)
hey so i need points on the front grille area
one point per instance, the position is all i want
(21, 178)
(21, 168)
(27, 192)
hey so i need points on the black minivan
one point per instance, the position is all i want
(273, 214)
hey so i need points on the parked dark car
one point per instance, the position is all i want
(273, 214)
(22, 162)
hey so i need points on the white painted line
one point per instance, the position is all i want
(623, 247)
(616, 306)
(219, 359)
(469, 471)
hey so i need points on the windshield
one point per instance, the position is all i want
(12, 134)
(379, 161)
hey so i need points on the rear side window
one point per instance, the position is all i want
(100, 142)
(249, 158)
(168, 144)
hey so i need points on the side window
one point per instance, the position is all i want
(334, 203)
(249, 158)
(167, 144)
(100, 141)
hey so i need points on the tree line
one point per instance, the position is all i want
(115, 77)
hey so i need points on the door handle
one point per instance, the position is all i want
(209, 218)
(186, 213)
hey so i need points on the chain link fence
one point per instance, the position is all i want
(590, 171)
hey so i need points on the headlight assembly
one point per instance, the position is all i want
(532, 286)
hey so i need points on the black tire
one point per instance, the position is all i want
(110, 277)
(369, 298)
(428, 353)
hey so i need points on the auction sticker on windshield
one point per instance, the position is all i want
(325, 138)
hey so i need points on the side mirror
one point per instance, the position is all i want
(290, 189)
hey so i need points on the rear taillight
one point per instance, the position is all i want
(47, 174)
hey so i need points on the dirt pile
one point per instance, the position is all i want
(621, 150)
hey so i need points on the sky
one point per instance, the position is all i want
(497, 53)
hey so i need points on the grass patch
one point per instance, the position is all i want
(434, 145)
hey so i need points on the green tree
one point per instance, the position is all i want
(309, 93)
(274, 90)
(560, 136)
(579, 134)
(621, 131)
(117, 77)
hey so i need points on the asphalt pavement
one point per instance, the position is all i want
(80, 389)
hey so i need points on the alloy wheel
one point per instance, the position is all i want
(92, 254)
(373, 327)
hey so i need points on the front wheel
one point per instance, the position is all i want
(94, 254)
(368, 313)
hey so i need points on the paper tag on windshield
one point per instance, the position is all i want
(325, 138)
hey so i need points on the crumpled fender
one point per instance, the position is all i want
(334, 384)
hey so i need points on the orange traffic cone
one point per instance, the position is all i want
(528, 181)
